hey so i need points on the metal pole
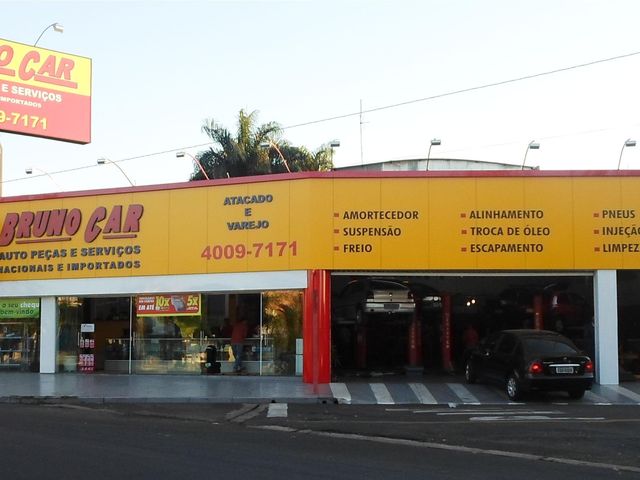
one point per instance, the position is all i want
(0, 170)
(361, 151)
(284, 160)
(130, 331)
(261, 317)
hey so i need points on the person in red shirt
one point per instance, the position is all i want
(470, 337)
(238, 336)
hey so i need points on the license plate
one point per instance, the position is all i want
(564, 369)
(391, 306)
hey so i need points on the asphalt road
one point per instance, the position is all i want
(275, 441)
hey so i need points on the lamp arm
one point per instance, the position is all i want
(121, 170)
(621, 150)
(284, 160)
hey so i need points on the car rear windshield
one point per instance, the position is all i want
(547, 346)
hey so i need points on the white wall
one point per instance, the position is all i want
(605, 294)
(219, 282)
(48, 334)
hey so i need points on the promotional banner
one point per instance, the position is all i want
(168, 305)
(12, 308)
(44, 93)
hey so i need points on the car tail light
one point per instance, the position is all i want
(535, 368)
(588, 367)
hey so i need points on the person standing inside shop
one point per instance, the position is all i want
(238, 336)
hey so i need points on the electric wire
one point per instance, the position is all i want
(370, 110)
(464, 90)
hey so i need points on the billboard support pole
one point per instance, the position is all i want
(0, 170)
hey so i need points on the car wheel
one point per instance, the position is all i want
(469, 372)
(576, 394)
(514, 391)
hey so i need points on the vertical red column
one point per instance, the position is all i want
(316, 326)
(538, 317)
(414, 339)
(361, 345)
(447, 363)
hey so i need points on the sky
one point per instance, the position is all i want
(161, 69)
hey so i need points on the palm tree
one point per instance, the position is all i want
(240, 156)
(244, 155)
(302, 160)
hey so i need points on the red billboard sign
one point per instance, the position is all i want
(44, 93)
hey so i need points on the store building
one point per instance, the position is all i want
(152, 279)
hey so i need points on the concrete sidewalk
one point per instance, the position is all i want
(429, 390)
(104, 388)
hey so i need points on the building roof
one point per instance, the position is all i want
(419, 164)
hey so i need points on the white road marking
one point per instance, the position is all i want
(596, 399)
(340, 392)
(473, 450)
(423, 393)
(626, 393)
(529, 418)
(463, 393)
(500, 412)
(277, 410)
(380, 391)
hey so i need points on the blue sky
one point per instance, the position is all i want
(161, 68)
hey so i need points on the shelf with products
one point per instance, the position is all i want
(86, 348)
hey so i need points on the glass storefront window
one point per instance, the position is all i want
(282, 325)
(110, 320)
(153, 342)
(19, 335)
(629, 325)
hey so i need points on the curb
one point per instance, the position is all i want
(52, 400)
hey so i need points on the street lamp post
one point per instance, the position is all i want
(333, 144)
(182, 154)
(102, 161)
(1, 170)
(533, 145)
(627, 143)
(268, 144)
(56, 28)
(436, 142)
(29, 171)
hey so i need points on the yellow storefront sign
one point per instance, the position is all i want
(328, 222)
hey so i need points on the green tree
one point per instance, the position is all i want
(302, 160)
(245, 154)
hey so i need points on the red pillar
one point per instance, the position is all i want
(316, 327)
(361, 346)
(414, 338)
(538, 316)
(447, 361)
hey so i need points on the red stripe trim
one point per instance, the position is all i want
(332, 175)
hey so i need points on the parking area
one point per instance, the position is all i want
(393, 323)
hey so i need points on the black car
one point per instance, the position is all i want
(528, 360)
